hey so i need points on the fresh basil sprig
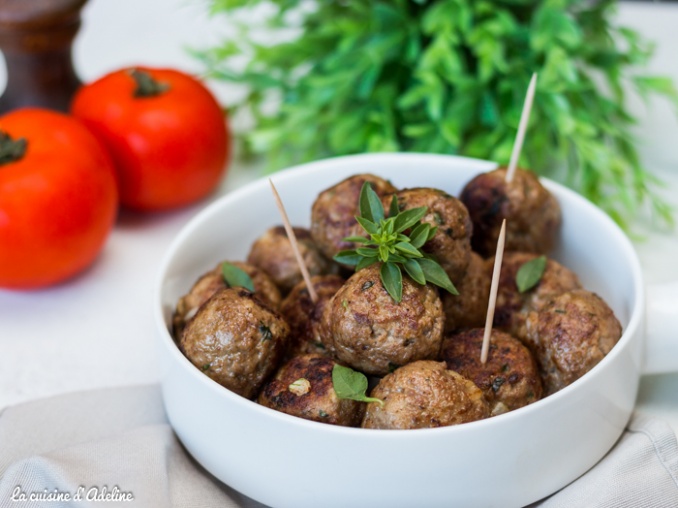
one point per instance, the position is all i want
(351, 384)
(388, 244)
(236, 277)
(529, 274)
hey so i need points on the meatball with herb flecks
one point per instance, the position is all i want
(373, 333)
(333, 212)
(570, 335)
(273, 253)
(303, 387)
(509, 379)
(532, 213)
(451, 245)
(235, 340)
(512, 306)
(212, 281)
(423, 395)
(307, 332)
(468, 309)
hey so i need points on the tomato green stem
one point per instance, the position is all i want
(11, 150)
(146, 85)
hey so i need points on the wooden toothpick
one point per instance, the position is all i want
(522, 127)
(493, 292)
(294, 243)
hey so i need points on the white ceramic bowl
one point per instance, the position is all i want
(509, 460)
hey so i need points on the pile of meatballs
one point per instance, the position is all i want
(421, 356)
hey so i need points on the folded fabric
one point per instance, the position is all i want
(116, 447)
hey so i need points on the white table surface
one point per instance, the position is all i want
(97, 330)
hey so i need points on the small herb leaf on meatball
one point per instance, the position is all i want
(388, 243)
(529, 274)
(236, 277)
(351, 384)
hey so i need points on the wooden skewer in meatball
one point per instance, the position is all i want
(303, 387)
(211, 282)
(333, 212)
(272, 252)
(533, 214)
(424, 394)
(509, 379)
(569, 336)
(307, 332)
(451, 245)
(235, 340)
(513, 306)
(373, 334)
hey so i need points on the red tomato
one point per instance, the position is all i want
(58, 200)
(170, 148)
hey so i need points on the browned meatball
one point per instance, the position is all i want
(570, 335)
(423, 395)
(532, 213)
(374, 334)
(333, 212)
(451, 245)
(272, 252)
(307, 331)
(209, 283)
(468, 309)
(512, 306)
(303, 387)
(235, 340)
(509, 379)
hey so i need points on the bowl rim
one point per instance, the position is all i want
(632, 328)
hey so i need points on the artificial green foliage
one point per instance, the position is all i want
(446, 76)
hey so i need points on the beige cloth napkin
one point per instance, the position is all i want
(116, 448)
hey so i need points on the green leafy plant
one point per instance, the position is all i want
(351, 384)
(445, 76)
(388, 244)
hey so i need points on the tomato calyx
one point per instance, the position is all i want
(146, 85)
(11, 150)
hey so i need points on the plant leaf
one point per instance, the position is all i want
(368, 252)
(370, 204)
(408, 218)
(347, 257)
(368, 225)
(236, 277)
(435, 274)
(392, 279)
(351, 384)
(414, 270)
(529, 274)
(394, 209)
(356, 239)
(409, 250)
(419, 235)
(365, 262)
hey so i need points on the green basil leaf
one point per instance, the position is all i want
(414, 270)
(394, 209)
(368, 225)
(529, 274)
(370, 204)
(435, 274)
(409, 218)
(350, 384)
(356, 239)
(347, 257)
(365, 262)
(368, 252)
(236, 277)
(392, 279)
(409, 250)
(419, 235)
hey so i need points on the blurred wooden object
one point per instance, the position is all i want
(36, 38)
